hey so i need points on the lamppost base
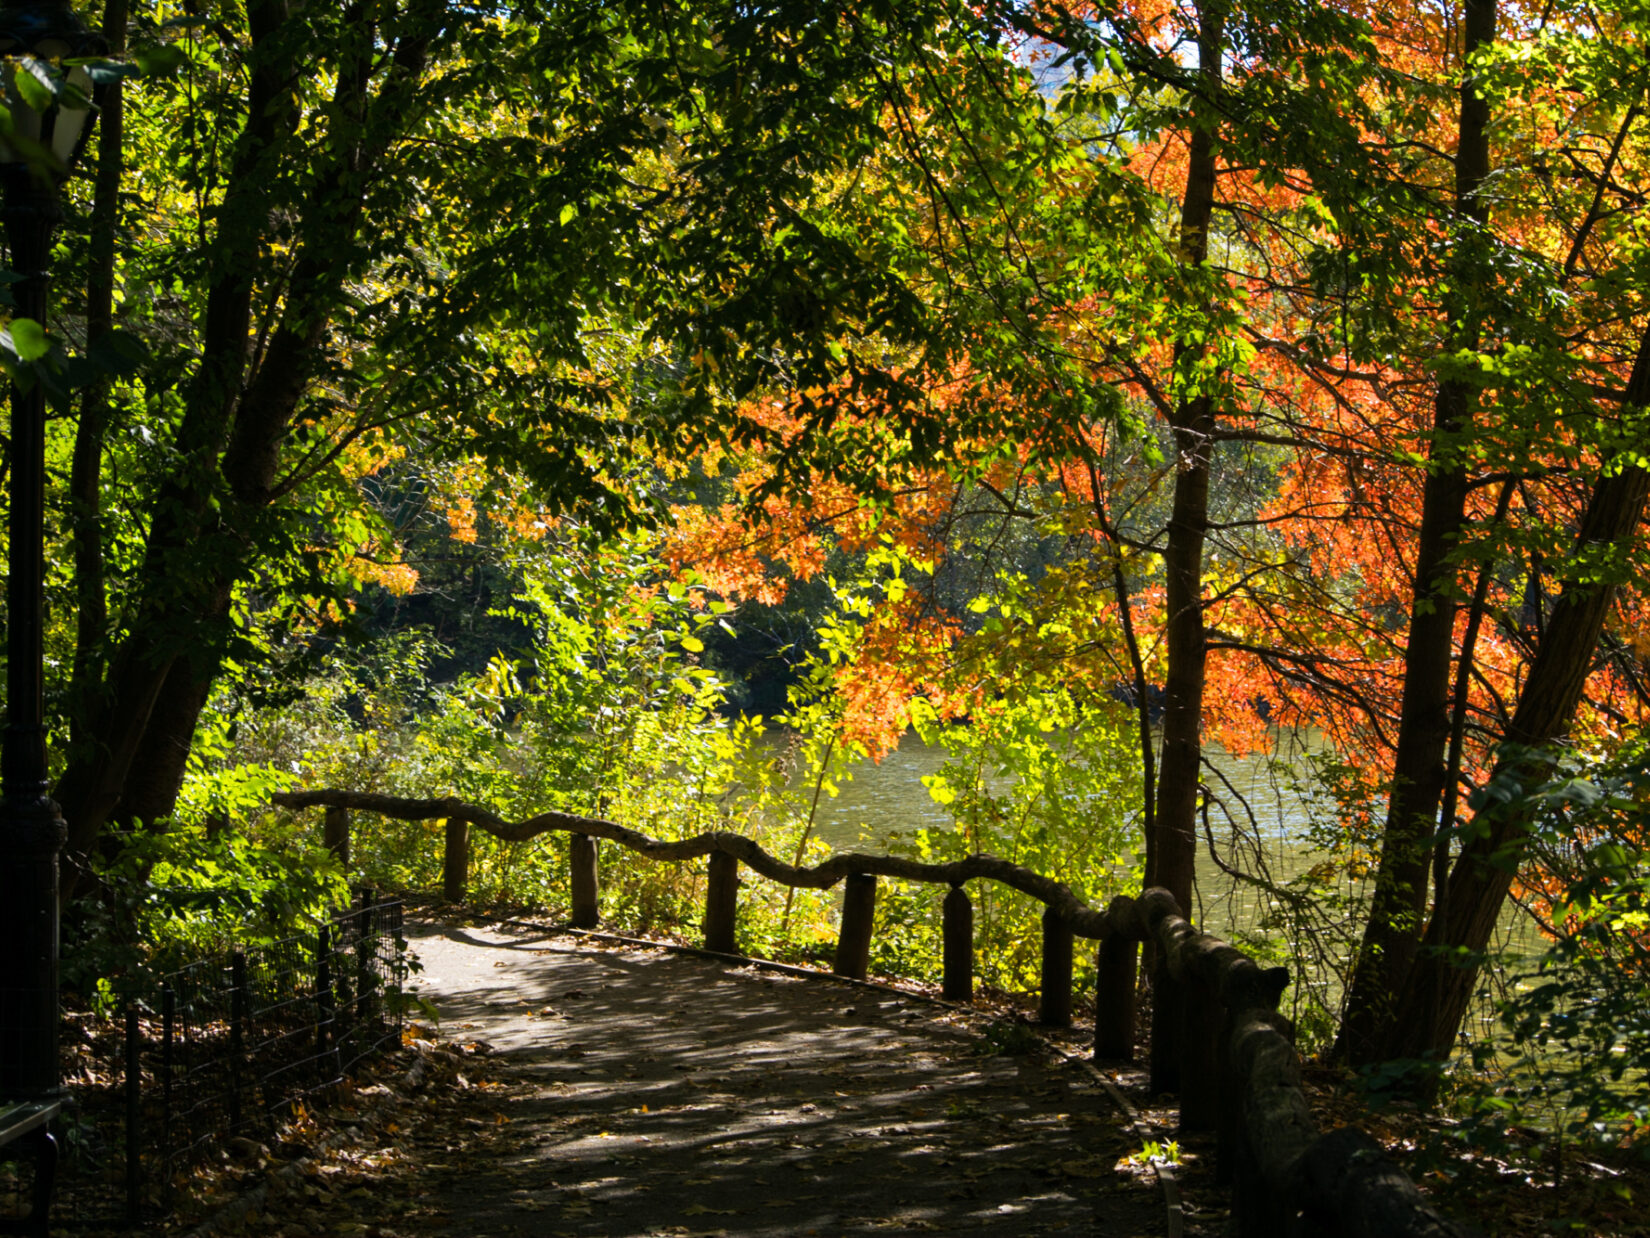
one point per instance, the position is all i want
(32, 833)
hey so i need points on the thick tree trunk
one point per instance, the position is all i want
(151, 792)
(179, 585)
(1172, 852)
(1439, 987)
(86, 465)
(1179, 775)
(1393, 929)
(233, 426)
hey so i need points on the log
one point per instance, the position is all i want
(859, 908)
(584, 881)
(1277, 1125)
(722, 903)
(1085, 921)
(1350, 1187)
(455, 861)
(1168, 999)
(335, 834)
(1201, 1020)
(957, 917)
(1124, 919)
(1054, 1009)
(1114, 998)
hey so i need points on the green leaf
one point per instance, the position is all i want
(35, 92)
(28, 339)
(159, 60)
(118, 352)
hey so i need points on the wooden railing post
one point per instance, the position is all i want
(366, 958)
(134, 1123)
(957, 919)
(1055, 1007)
(335, 834)
(326, 1008)
(1202, 1015)
(1229, 1147)
(1168, 1004)
(240, 1005)
(581, 864)
(455, 863)
(722, 903)
(1114, 1000)
(859, 907)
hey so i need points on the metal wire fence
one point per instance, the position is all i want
(220, 1050)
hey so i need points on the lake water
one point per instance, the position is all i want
(1271, 834)
(1267, 832)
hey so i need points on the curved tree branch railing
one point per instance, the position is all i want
(1218, 1041)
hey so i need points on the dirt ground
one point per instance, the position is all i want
(627, 1091)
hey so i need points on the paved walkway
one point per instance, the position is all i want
(649, 1093)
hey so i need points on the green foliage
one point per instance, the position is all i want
(1009, 1037)
(1568, 1052)
(1309, 921)
(167, 898)
(1042, 778)
(1578, 1020)
(611, 714)
(1166, 1153)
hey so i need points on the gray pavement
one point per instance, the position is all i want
(648, 1093)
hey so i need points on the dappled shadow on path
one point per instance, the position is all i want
(648, 1093)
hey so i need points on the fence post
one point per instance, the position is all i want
(583, 876)
(1054, 1009)
(335, 834)
(366, 955)
(237, 1035)
(1168, 1004)
(392, 924)
(957, 920)
(455, 863)
(859, 907)
(326, 1009)
(168, 1018)
(1114, 1009)
(722, 903)
(134, 1111)
(1228, 1148)
(1202, 1015)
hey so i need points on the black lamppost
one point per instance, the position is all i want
(51, 116)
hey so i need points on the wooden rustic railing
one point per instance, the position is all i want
(1218, 1041)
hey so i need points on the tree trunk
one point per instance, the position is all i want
(1439, 987)
(86, 465)
(151, 792)
(1172, 852)
(233, 426)
(1393, 929)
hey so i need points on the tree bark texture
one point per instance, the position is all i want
(237, 413)
(1393, 929)
(1438, 989)
(1172, 850)
(86, 464)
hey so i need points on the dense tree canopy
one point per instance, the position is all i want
(1249, 365)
